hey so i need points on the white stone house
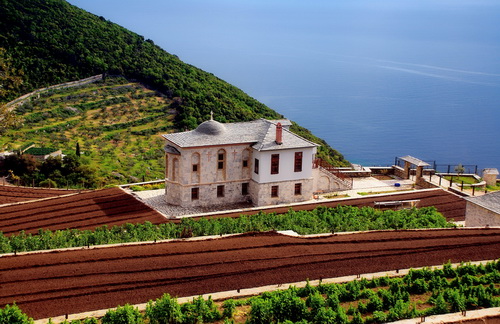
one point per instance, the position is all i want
(259, 161)
(483, 210)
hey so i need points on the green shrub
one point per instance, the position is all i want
(164, 310)
(123, 315)
(13, 315)
(228, 306)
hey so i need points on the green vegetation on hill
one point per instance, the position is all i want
(51, 41)
(114, 122)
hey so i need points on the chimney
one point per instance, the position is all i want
(279, 134)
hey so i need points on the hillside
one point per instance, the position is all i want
(51, 41)
(114, 122)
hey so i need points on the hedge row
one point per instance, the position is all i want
(319, 220)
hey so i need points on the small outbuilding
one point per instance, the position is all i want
(483, 210)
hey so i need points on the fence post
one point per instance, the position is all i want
(462, 186)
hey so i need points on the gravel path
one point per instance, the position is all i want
(156, 200)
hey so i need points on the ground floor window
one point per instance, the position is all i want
(298, 189)
(220, 191)
(274, 191)
(244, 188)
(195, 193)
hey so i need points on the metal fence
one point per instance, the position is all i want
(444, 168)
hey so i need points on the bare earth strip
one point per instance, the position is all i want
(12, 194)
(86, 210)
(57, 283)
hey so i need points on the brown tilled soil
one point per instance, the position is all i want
(58, 283)
(86, 210)
(12, 194)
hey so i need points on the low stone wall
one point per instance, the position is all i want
(357, 174)
(382, 170)
(423, 183)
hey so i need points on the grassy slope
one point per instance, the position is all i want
(116, 123)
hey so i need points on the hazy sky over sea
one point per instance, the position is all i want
(374, 78)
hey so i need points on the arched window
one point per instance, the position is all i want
(166, 166)
(175, 169)
(245, 158)
(195, 162)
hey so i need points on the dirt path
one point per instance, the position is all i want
(58, 283)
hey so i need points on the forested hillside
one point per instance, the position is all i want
(50, 41)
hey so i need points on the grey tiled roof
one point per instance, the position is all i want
(261, 134)
(489, 201)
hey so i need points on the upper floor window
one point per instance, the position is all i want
(298, 162)
(245, 157)
(221, 159)
(256, 166)
(275, 163)
(195, 162)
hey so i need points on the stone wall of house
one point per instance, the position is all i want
(477, 216)
(199, 168)
(261, 194)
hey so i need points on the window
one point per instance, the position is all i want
(220, 191)
(245, 163)
(298, 162)
(195, 167)
(275, 163)
(298, 189)
(256, 166)
(221, 159)
(274, 191)
(195, 193)
(244, 188)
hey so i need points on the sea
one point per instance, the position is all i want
(376, 79)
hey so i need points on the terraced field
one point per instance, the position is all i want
(12, 194)
(86, 210)
(57, 283)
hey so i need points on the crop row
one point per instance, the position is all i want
(319, 220)
(420, 293)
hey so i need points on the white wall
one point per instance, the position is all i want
(286, 167)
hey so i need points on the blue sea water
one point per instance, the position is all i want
(375, 79)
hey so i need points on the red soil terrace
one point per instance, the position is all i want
(57, 283)
(86, 210)
(12, 194)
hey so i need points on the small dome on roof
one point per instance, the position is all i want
(211, 127)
